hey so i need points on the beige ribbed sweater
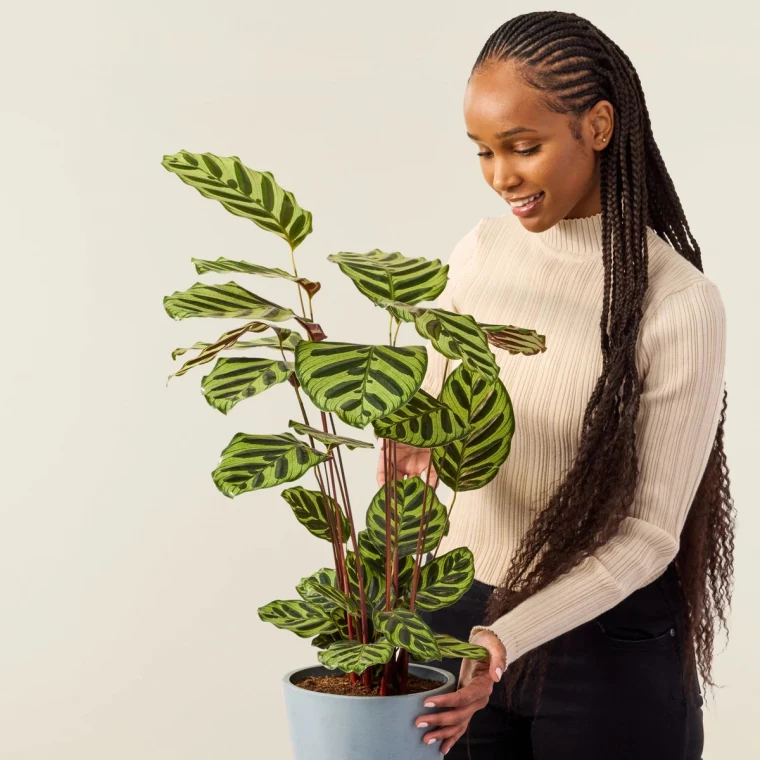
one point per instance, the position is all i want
(553, 282)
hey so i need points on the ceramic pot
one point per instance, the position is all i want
(341, 727)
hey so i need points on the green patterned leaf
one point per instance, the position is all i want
(235, 379)
(516, 340)
(456, 336)
(409, 631)
(250, 462)
(445, 579)
(287, 343)
(326, 576)
(336, 596)
(409, 516)
(473, 461)
(229, 265)
(340, 621)
(325, 639)
(309, 509)
(330, 438)
(453, 647)
(423, 421)
(227, 300)
(390, 275)
(375, 557)
(374, 583)
(244, 192)
(295, 615)
(359, 383)
(353, 656)
(229, 339)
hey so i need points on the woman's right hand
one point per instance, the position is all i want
(410, 460)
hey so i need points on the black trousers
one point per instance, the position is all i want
(613, 689)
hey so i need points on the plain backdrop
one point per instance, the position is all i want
(129, 585)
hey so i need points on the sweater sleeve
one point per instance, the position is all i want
(680, 406)
(460, 257)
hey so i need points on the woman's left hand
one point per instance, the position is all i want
(476, 681)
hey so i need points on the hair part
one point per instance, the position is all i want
(574, 65)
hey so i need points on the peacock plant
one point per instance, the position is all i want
(363, 612)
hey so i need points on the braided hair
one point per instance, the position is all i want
(574, 65)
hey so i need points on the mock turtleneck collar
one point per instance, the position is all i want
(581, 236)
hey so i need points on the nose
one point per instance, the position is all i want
(504, 178)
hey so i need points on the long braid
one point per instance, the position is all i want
(574, 65)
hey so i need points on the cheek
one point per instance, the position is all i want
(562, 173)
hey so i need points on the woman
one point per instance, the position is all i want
(604, 545)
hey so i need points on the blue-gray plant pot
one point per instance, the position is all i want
(340, 727)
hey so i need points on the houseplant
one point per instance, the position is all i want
(362, 612)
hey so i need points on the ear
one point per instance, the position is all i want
(602, 120)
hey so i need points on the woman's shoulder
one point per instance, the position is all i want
(671, 273)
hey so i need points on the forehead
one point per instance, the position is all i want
(497, 98)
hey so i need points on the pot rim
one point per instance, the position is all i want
(288, 683)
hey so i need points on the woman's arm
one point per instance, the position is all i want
(680, 406)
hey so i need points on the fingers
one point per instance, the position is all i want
(451, 741)
(451, 724)
(497, 653)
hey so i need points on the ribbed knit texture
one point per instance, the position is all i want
(553, 282)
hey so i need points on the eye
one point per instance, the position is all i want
(529, 152)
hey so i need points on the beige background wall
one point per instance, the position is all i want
(128, 583)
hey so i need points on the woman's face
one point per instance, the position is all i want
(545, 159)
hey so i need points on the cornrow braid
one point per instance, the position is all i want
(573, 65)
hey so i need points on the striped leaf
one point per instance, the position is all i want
(390, 275)
(244, 192)
(445, 579)
(227, 300)
(453, 647)
(423, 421)
(375, 557)
(406, 516)
(340, 621)
(325, 639)
(409, 631)
(302, 618)
(516, 340)
(374, 583)
(230, 339)
(359, 383)
(473, 461)
(336, 596)
(326, 576)
(330, 438)
(309, 509)
(287, 343)
(355, 657)
(250, 462)
(456, 336)
(223, 264)
(235, 379)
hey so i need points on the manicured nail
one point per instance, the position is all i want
(498, 673)
(422, 725)
(429, 704)
(432, 741)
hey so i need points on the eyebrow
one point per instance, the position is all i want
(506, 133)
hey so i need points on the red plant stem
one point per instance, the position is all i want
(367, 674)
(420, 538)
(396, 522)
(359, 568)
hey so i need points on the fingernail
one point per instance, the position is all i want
(422, 725)
(432, 741)
(498, 673)
(429, 704)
